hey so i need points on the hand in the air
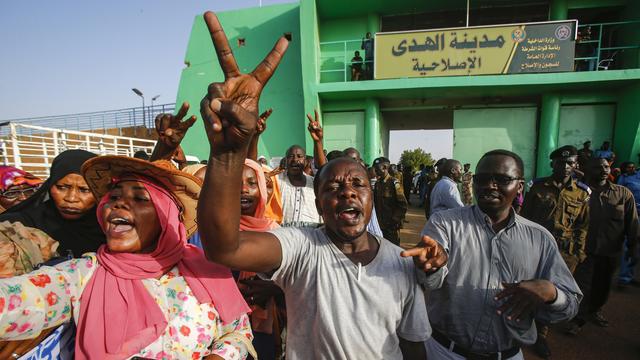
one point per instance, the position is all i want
(428, 255)
(315, 130)
(262, 121)
(171, 129)
(237, 96)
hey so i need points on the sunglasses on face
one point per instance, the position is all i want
(500, 180)
(13, 194)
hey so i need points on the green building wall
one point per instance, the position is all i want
(260, 27)
(298, 87)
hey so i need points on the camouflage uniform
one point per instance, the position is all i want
(467, 188)
(564, 211)
(391, 206)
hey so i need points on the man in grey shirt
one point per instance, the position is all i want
(502, 271)
(349, 294)
(445, 194)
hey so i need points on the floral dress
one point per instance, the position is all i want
(50, 296)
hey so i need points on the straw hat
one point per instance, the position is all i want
(99, 172)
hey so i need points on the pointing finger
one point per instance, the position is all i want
(412, 252)
(225, 55)
(267, 67)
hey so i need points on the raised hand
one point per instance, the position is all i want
(171, 129)
(428, 255)
(525, 297)
(315, 130)
(262, 121)
(240, 93)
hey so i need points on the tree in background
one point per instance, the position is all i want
(413, 158)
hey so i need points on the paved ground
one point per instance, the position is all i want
(620, 341)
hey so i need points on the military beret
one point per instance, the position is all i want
(381, 159)
(565, 151)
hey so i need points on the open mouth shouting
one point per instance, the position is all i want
(118, 225)
(350, 214)
(246, 203)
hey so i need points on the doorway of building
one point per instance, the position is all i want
(428, 129)
(438, 143)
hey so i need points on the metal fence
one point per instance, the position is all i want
(601, 50)
(599, 47)
(335, 60)
(33, 148)
(96, 121)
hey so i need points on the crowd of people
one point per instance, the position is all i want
(126, 257)
(589, 207)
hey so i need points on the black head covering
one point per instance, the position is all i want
(39, 211)
(563, 152)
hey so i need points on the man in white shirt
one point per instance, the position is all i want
(445, 194)
(350, 295)
(298, 199)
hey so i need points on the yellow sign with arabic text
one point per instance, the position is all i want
(504, 49)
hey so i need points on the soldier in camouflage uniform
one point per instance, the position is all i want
(561, 205)
(466, 189)
(390, 203)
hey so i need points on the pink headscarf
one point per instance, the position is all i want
(118, 316)
(258, 222)
(10, 176)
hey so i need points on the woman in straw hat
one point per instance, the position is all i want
(146, 293)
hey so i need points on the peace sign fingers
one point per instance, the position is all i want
(267, 67)
(225, 55)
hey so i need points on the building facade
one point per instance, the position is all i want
(529, 113)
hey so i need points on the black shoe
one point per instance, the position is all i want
(541, 348)
(600, 320)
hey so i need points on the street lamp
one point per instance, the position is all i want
(144, 116)
(152, 100)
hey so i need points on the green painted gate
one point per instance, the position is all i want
(476, 131)
(579, 123)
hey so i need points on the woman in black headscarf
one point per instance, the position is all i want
(63, 207)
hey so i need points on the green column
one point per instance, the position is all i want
(371, 130)
(548, 133)
(558, 10)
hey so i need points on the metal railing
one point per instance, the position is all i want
(335, 60)
(33, 148)
(592, 37)
(97, 121)
(335, 56)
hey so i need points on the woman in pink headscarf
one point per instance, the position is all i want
(16, 186)
(146, 293)
(263, 296)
